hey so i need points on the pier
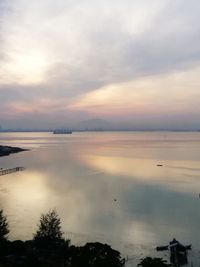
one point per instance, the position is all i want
(8, 171)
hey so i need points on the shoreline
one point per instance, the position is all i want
(8, 150)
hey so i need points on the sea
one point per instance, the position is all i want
(131, 190)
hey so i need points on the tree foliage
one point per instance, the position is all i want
(4, 228)
(49, 227)
(94, 255)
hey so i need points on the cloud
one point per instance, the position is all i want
(65, 49)
(160, 98)
(87, 41)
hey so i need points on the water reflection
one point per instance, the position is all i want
(174, 174)
(106, 187)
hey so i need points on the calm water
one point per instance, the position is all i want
(107, 187)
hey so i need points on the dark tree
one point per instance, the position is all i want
(94, 255)
(50, 248)
(4, 229)
(49, 227)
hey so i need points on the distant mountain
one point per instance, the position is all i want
(94, 125)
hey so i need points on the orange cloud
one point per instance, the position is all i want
(153, 94)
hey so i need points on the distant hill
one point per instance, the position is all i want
(94, 125)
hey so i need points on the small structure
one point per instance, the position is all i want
(175, 247)
(178, 252)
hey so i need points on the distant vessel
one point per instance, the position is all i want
(62, 131)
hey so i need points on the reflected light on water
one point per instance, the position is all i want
(174, 174)
(106, 187)
(122, 166)
(31, 190)
(22, 192)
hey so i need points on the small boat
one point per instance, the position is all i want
(62, 131)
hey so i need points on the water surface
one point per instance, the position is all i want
(107, 187)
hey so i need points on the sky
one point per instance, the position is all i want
(135, 63)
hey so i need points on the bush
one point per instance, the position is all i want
(4, 228)
(94, 255)
(153, 262)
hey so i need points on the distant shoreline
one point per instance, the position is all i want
(102, 130)
(8, 150)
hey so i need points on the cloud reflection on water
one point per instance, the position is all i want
(173, 174)
(83, 179)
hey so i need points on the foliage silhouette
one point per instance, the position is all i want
(94, 255)
(49, 227)
(49, 249)
(4, 228)
(153, 262)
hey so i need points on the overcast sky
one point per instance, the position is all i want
(136, 61)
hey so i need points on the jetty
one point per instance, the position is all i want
(8, 171)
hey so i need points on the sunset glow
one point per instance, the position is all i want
(28, 68)
(77, 61)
